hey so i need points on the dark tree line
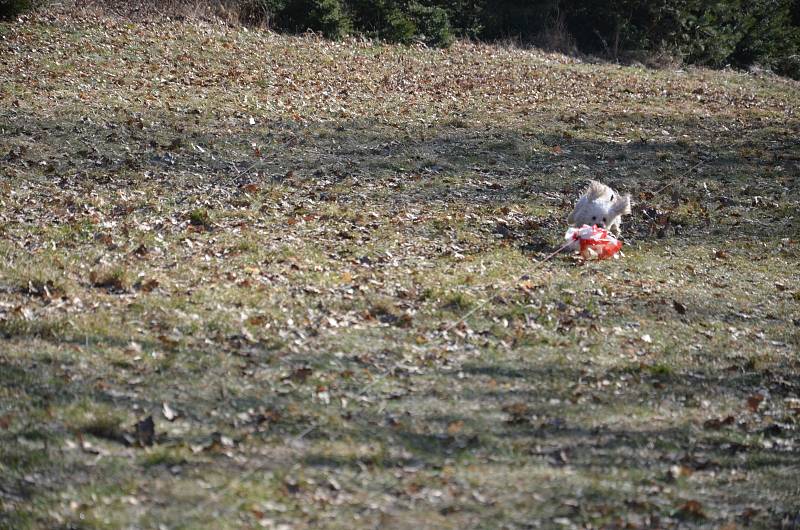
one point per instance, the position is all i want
(716, 33)
(738, 33)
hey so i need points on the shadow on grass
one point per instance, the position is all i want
(361, 162)
(369, 165)
(534, 422)
(528, 428)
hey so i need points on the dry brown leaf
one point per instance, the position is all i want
(754, 402)
(718, 423)
(691, 510)
(455, 427)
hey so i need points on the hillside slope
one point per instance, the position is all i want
(266, 244)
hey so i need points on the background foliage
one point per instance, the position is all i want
(739, 33)
(12, 8)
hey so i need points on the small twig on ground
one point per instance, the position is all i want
(682, 176)
(246, 171)
(305, 433)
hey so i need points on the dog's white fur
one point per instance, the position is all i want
(600, 205)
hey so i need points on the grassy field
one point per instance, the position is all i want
(265, 243)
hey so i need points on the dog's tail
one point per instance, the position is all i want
(596, 190)
(621, 206)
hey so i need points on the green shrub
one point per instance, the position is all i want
(466, 17)
(399, 27)
(789, 66)
(739, 33)
(12, 8)
(383, 19)
(328, 17)
(260, 12)
(710, 35)
(769, 36)
(518, 19)
(402, 21)
(432, 24)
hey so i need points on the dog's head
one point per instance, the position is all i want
(599, 205)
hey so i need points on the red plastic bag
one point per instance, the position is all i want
(593, 242)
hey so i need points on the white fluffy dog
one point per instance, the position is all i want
(600, 205)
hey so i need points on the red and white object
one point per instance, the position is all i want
(593, 242)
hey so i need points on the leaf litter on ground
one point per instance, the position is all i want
(228, 258)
